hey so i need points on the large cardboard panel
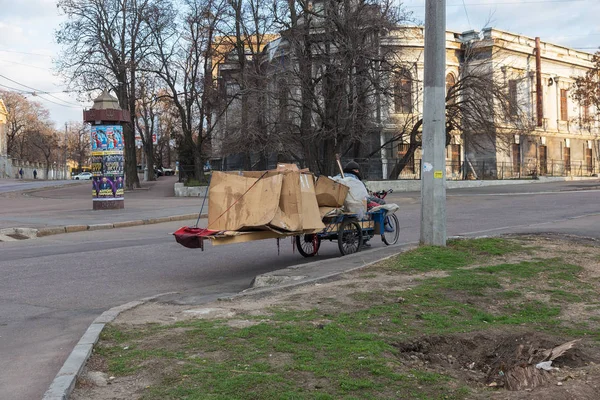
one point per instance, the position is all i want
(289, 217)
(311, 218)
(238, 202)
(330, 193)
(246, 237)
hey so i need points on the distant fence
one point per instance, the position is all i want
(380, 169)
(10, 167)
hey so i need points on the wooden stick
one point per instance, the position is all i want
(337, 158)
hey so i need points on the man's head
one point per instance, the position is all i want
(352, 166)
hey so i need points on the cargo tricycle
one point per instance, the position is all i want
(350, 232)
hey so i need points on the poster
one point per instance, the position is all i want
(109, 187)
(106, 137)
(107, 161)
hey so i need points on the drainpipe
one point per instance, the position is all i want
(558, 110)
(538, 83)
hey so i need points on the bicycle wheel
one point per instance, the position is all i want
(349, 237)
(393, 225)
(308, 245)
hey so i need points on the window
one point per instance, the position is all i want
(410, 163)
(567, 159)
(282, 99)
(512, 98)
(588, 160)
(564, 115)
(403, 99)
(516, 158)
(543, 160)
(450, 94)
(455, 164)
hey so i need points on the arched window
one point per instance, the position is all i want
(450, 83)
(403, 98)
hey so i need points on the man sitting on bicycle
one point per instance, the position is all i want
(352, 170)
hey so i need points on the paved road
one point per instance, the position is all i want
(52, 288)
(15, 185)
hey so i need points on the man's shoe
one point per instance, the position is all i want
(367, 244)
(387, 227)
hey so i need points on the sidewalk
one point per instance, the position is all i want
(46, 211)
(34, 212)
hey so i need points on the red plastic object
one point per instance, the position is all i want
(192, 238)
(372, 204)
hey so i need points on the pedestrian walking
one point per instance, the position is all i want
(21, 173)
(35, 174)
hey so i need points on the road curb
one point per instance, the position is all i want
(299, 280)
(57, 230)
(64, 382)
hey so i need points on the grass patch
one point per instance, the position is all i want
(192, 182)
(457, 254)
(294, 354)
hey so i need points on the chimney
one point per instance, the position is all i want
(538, 84)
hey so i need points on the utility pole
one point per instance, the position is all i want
(433, 175)
(64, 166)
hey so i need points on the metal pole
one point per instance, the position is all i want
(433, 181)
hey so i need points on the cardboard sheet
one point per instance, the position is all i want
(280, 200)
(240, 203)
(311, 218)
(330, 193)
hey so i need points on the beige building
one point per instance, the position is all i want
(3, 117)
(542, 131)
(552, 137)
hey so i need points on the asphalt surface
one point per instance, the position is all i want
(52, 288)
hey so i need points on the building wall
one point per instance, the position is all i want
(559, 66)
(3, 116)
(508, 57)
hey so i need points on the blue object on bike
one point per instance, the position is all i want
(387, 227)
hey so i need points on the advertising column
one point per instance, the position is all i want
(107, 167)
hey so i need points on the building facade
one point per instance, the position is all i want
(3, 118)
(542, 130)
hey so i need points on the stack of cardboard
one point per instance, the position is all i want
(330, 195)
(280, 202)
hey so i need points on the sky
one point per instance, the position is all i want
(28, 48)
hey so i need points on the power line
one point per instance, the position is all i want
(38, 92)
(467, 14)
(25, 92)
(15, 89)
(54, 102)
(24, 52)
(26, 65)
(504, 3)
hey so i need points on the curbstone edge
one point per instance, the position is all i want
(126, 224)
(96, 227)
(75, 228)
(52, 230)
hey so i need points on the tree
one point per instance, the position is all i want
(104, 43)
(335, 62)
(247, 28)
(45, 142)
(24, 116)
(587, 94)
(183, 61)
(78, 143)
(146, 120)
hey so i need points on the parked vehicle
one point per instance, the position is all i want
(83, 176)
(168, 171)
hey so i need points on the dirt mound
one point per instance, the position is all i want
(497, 359)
